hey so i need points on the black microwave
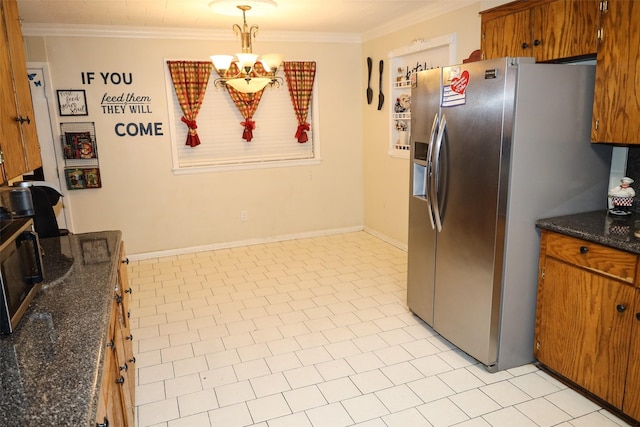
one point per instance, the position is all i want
(20, 270)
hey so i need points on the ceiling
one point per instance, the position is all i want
(320, 16)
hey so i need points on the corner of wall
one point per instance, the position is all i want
(35, 49)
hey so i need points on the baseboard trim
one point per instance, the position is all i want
(248, 242)
(387, 239)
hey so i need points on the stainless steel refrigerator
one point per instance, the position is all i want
(495, 145)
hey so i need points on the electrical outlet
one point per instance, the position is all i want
(244, 216)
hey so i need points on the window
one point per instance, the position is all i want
(222, 147)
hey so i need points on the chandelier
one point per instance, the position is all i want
(246, 71)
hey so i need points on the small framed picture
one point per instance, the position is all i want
(75, 179)
(79, 145)
(72, 103)
(92, 178)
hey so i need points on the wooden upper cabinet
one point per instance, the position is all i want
(565, 29)
(616, 105)
(505, 35)
(19, 143)
(545, 29)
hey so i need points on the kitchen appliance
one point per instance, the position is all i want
(20, 270)
(44, 197)
(495, 145)
(16, 202)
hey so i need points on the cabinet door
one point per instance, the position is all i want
(125, 340)
(127, 360)
(22, 89)
(508, 35)
(564, 29)
(10, 137)
(110, 400)
(124, 285)
(126, 377)
(616, 104)
(582, 332)
(631, 404)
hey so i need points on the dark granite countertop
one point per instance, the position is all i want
(51, 365)
(599, 227)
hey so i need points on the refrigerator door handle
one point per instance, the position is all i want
(436, 173)
(432, 137)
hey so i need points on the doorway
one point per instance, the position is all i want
(44, 109)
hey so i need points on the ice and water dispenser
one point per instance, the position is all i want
(420, 169)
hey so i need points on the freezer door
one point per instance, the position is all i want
(425, 106)
(473, 171)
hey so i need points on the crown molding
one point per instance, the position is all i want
(413, 17)
(106, 31)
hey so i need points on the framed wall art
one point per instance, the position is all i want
(72, 102)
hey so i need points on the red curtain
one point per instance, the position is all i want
(247, 103)
(190, 79)
(300, 77)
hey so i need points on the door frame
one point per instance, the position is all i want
(50, 149)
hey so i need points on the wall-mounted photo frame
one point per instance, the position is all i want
(72, 102)
(76, 179)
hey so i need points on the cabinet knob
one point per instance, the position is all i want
(110, 343)
(584, 249)
(133, 359)
(120, 380)
(537, 42)
(125, 368)
(103, 424)
(638, 316)
(621, 308)
(125, 261)
(128, 291)
(130, 337)
(525, 45)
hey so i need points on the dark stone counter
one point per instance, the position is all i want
(51, 365)
(599, 227)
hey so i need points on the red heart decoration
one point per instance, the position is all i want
(459, 84)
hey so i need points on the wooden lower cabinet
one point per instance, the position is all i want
(631, 405)
(586, 312)
(116, 405)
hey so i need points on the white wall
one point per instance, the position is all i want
(159, 211)
(356, 185)
(387, 179)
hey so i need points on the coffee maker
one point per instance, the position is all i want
(15, 202)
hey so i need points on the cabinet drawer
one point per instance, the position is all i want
(592, 256)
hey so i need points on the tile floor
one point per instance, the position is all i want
(315, 332)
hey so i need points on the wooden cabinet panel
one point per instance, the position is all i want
(581, 331)
(126, 378)
(124, 285)
(631, 404)
(616, 106)
(22, 89)
(10, 138)
(109, 403)
(19, 138)
(115, 414)
(545, 29)
(587, 321)
(507, 35)
(601, 259)
(564, 29)
(117, 391)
